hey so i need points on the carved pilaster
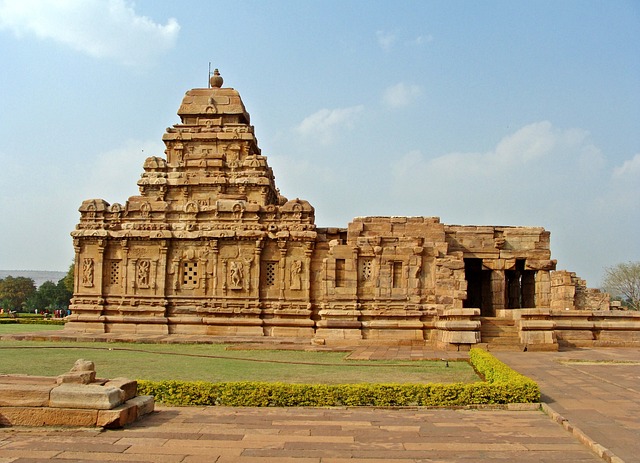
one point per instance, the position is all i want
(99, 269)
(282, 247)
(224, 278)
(153, 276)
(257, 253)
(215, 253)
(161, 278)
(125, 266)
(375, 271)
(76, 265)
(306, 277)
(134, 273)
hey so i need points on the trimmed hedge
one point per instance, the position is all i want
(31, 321)
(503, 385)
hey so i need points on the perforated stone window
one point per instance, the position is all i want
(366, 269)
(190, 274)
(270, 273)
(114, 272)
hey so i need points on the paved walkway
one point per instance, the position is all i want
(596, 390)
(280, 435)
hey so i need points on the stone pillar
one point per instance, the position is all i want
(543, 289)
(498, 290)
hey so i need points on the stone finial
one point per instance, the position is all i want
(216, 79)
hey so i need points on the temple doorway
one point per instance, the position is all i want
(478, 287)
(520, 287)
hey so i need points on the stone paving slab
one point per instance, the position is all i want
(592, 393)
(596, 390)
(319, 435)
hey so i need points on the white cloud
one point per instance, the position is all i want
(422, 39)
(386, 40)
(536, 171)
(630, 169)
(625, 188)
(539, 175)
(102, 29)
(325, 123)
(401, 95)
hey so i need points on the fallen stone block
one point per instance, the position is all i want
(128, 386)
(82, 372)
(126, 413)
(118, 417)
(24, 395)
(86, 396)
(44, 416)
(78, 377)
(145, 404)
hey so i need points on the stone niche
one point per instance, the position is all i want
(211, 247)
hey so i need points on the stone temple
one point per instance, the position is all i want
(211, 247)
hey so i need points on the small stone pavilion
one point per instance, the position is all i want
(211, 247)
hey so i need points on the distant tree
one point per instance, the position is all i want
(15, 291)
(69, 278)
(43, 297)
(50, 296)
(623, 281)
(63, 294)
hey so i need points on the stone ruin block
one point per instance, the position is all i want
(71, 400)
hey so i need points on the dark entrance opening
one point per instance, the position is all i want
(520, 286)
(478, 287)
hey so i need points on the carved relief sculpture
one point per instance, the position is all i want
(142, 276)
(295, 273)
(87, 272)
(235, 274)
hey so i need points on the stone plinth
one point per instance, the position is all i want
(337, 325)
(456, 329)
(537, 330)
(72, 399)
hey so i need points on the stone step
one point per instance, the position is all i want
(499, 334)
(493, 347)
(498, 331)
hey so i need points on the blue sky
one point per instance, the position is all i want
(489, 113)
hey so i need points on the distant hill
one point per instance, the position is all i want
(38, 276)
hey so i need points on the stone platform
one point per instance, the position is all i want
(76, 398)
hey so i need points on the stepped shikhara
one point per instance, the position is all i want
(210, 246)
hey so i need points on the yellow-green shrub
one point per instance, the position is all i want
(502, 385)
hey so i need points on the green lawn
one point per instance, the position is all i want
(212, 362)
(10, 328)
